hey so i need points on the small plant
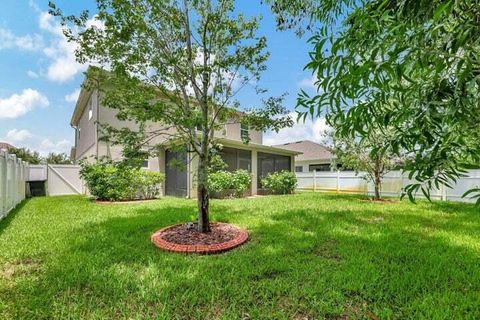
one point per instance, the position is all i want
(113, 182)
(283, 182)
(229, 184)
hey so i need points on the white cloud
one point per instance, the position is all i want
(308, 83)
(73, 97)
(22, 138)
(19, 104)
(63, 65)
(16, 135)
(46, 146)
(308, 130)
(8, 40)
(33, 5)
(33, 74)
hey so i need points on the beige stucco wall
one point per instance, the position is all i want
(85, 134)
(233, 131)
(90, 146)
(88, 155)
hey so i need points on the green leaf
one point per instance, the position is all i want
(441, 9)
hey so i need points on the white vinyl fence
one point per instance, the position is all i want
(60, 179)
(392, 185)
(13, 173)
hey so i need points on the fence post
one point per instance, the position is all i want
(3, 182)
(13, 184)
(338, 181)
(443, 191)
(401, 184)
(18, 167)
(314, 180)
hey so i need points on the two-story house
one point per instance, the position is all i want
(255, 157)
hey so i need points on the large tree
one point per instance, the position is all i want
(178, 64)
(409, 64)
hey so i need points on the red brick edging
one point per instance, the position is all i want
(158, 241)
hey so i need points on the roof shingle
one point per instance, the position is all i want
(310, 150)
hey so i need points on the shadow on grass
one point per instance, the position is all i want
(5, 222)
(325, 262)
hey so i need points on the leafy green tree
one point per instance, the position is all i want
(178, 64)
(58, 158)
(30, 156)
(356, 153)
(412, 65)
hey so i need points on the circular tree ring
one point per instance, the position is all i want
(160, 239)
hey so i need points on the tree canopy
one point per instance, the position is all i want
(32, 157)
(408, 64)
(356, 153)
(180, 65)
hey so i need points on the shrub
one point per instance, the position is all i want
(111, 182)
(241, 180)
(283, 182)
(148, 183)
(219, 181)
(229, 184)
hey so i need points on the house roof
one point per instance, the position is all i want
(81, 103)
(309, 150)
(6, 146)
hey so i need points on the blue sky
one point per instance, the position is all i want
(39, 78)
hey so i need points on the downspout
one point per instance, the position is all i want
(96, 121)
(76, 137)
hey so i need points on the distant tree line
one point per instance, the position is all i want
(33, 157)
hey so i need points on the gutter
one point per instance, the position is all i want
(257, 147)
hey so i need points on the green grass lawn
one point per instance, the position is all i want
(310, 256)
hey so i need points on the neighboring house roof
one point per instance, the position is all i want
(309, 150)
(6, 146)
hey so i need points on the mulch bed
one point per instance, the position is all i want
(219, 233)
(182, 238)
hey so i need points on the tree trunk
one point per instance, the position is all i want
(203, 197)
(377, 184)
(377, 181)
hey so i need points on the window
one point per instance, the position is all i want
(90, 109)
(145, 164)
(90, 113)
(298, 169)
(244, 131)
(237, 159)
(319, 167)
(268, 163)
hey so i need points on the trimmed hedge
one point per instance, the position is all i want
(283, 182)
(110, 182)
